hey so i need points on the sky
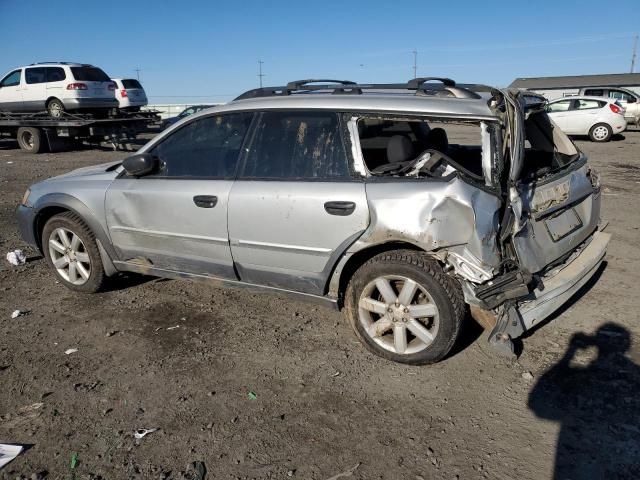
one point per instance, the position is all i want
(197, 51)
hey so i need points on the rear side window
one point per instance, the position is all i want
(207, 147)
(594, 92)
(89, 74)
(304, 145)
(11, 80)
(131, 83)
(35, 75)
(588, 104)
(55, 74)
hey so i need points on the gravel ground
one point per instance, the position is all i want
(183, 357)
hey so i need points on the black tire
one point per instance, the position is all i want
(445, 293)
(31, 139)
(73, 223)
(596, 132)
(55, 108)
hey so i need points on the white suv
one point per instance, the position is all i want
(56, 87)
(130, 94)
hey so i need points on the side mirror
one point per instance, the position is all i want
(140, 165)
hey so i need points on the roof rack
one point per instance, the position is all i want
(61, 63)
(416, 86)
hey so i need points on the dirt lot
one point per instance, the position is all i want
(323, 405)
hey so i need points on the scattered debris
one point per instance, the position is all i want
(200, 470)
(111, 333)
(335, 374)
(8, 453)
(74, 460)
(16, 257)
(348, 473)
(173, 328)
(291, 473)
(69, 351)
(143, 432)
(19, 313)
(252, 396)
(527, 376)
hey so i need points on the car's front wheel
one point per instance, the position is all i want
(600, 132)
(403, 307)
(71, 249)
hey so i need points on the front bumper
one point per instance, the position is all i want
(26, 221)
(88, 102)
(562, 283)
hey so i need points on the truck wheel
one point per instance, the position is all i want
(30, 139)
(404, 308)
(600, 132)
(55, 108)
(72, 251)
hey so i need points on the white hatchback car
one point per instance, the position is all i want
(599, 118)
(56, 87)
(130, 94)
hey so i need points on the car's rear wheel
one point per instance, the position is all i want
(600, 132)
(71, 249)
(30, 139)
(55, 108)
(403, 307)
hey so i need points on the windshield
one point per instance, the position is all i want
(89, 74)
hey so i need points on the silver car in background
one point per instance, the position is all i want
(405, 205)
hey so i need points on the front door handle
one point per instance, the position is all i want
(205, 201)
(341, 209)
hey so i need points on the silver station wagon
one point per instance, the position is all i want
(405, 205)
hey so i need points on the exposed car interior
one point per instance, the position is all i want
(412, 147)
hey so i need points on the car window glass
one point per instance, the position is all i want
(621, 96)
(55, 74)
(187, 111)
(131, 83)
(11, 80)
(562, 106)
(594, 92)
(587, 104)
(206, 147)
(297, 145)
(89, 74)
(35, 75)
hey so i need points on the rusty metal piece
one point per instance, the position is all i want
(486, 318)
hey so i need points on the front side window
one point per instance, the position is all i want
(55, 74)
(35, 75)
(207, 147)
(305, 145)
(621, 96)
(562, 106)
(11, 80)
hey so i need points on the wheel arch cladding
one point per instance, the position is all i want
(52, 204)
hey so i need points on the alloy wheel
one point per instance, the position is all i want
(69, 256)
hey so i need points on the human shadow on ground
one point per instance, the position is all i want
(597, 404)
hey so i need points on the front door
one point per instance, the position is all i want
(11, 92)
(176, 219)
(295, 208)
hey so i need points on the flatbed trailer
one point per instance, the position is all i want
(39, 132)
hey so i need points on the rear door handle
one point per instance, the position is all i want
(341, 209)
(205, 201)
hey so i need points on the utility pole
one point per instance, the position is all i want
(137, 70)
(415, 64)
(635, 51)
(260, 74)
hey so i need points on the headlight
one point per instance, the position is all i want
(25, 197)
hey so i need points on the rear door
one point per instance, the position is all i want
(295, 207)
(176, 219)
(34, 92)
(98, 83)
(56, 82)
(585, 115)
(135, 92)
(555, 197)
